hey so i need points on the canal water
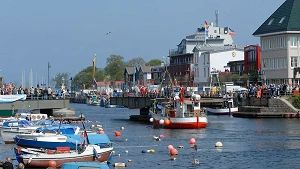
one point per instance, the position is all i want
(247, 143)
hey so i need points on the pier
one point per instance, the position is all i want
(43, 106)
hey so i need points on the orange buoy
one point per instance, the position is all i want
(117, 133)
(192, 141)
(173, 151)
(51, 164)
(167, 122)
(101, 132)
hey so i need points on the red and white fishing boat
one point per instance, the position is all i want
(40, 159)
(181, 113)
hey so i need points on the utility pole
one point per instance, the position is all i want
(48, 72)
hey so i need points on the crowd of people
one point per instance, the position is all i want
(43, 93)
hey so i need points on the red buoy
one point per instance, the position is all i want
(173, 151)
(101, 132)
(117, 133)
(51, 164)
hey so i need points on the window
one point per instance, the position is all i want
(204, 72)
(270, 43)
(274, 63)
(281, 42)
(293, 41)
(271, 21)
(282, 19)
(215, 31)
(294, 60)
(284, 42)
(277, 42)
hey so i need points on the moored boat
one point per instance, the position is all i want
(77, 165)
(38, 158)
(226, 109)
(181, 113)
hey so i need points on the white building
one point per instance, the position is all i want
(208, 58)
(215, 36)
(280, 44)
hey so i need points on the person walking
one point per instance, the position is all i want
(8, 164)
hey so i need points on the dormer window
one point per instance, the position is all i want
(282, 19)
(271, 21)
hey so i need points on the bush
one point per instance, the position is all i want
(296, 102)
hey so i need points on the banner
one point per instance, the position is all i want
(12, 98)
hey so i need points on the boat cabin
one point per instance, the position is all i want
(187, 108)
(227, 103)
(17, 123)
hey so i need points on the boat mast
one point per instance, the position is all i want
(93, 71)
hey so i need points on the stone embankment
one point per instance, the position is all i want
(267, 107)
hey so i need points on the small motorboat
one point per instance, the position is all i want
(93, 165)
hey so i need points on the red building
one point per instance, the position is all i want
(180, 68)
(252, 58)
(252, 62)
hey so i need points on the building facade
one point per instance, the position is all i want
(157, 74)
(280, 49)
(181, 66)
(213, 58)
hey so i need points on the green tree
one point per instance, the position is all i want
(84, 78)
(115, 67)
(235, 77)
(154, 62)
(135, 62)
(61, 78)
(244, 78)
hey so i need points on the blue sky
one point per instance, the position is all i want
(67, 33)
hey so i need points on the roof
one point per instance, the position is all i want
(146, 69)
(285, 18)
(129, 70)
(217, 48)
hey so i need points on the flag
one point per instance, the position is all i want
(231, 32)
(206, 24)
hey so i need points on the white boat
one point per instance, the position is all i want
(181, 114)
(12, 128)
(226, 109)
(39, 158)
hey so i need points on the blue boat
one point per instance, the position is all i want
(77, 165)
(51, 141)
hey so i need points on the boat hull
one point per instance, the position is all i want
(221, 111)
(182, 123)
(8, 135)
(41, 160)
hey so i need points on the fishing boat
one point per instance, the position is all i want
(92, 165)
(39, 158)
(181, 113)
(93, 101)
(226, 109)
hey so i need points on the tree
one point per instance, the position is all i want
(84, 78)
(154, 62)
(235, 77)
(244, 78)
(61, 78)
(115, 67)
(136, 62)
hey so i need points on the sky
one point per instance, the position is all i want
(68, 33)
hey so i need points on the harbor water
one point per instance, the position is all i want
(247, 143)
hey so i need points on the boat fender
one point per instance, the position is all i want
(119, 165)
(29, 161)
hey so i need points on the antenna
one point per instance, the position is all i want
(217, 18)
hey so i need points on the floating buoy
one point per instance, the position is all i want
(196, 162)
(180, 147)
(161, 122)
(192, 141)
(219, 144)
(170, 147)
(119, 155)
(173, 158)
(129, 160)
(126, 139)
(99, 125)
(151, 119)
(126, 151)
(52, 164)
(167, 122)
(122, 128)
(151, 151)
(99, 128)
(101, 132)
(156, 138)
(161, 136)
(92, 126)
(117, 133)
(119, 165)
(173, 152)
